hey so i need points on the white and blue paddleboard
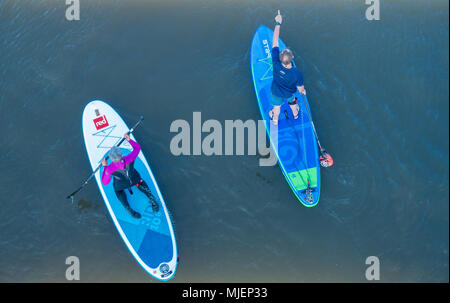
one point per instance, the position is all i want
(150, 239)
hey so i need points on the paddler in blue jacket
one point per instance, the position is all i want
(287, 79)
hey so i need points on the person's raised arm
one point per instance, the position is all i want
(276, 31)
(136, 149)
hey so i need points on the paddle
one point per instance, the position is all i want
(98, 167)
(325, 159)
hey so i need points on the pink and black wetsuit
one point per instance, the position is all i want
(125, 176)
(123, 172)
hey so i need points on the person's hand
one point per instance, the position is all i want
(278, 18)
(104, 162)
(303, 91)
(127, 136)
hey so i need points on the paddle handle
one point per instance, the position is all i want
(141, 118)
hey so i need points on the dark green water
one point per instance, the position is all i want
(378, 92)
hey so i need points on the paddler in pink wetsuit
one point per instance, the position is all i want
(126, 176)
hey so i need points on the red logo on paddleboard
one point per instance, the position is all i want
(101, 122)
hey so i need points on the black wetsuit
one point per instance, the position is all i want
(125, 179)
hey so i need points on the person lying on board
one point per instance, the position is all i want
(126, 176)
(286, 77)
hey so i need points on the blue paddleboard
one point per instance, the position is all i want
(297, 150)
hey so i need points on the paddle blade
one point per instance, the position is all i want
(325, 160)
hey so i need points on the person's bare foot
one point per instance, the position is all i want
(274, 119)
(295, 109)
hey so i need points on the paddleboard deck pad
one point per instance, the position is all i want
(150, 239)
(297, 151)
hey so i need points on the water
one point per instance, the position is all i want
(378, 92)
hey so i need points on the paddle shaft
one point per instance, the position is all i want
(107, 157)
(312, 123)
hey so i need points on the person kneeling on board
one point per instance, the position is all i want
(126, 176)
(286, 77)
